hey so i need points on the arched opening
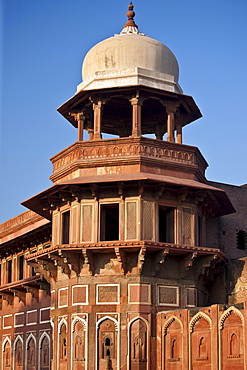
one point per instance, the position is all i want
(138, 344)
(173, 344)
(107, 344)
(18, 355)
(79, 346)
(234, 351)
(63, 347)
(7, 355)
(31, 354)
(44, 354)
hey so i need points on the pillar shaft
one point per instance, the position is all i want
(170, 127)
(80, 120)
(179, 134)
(97, 107)
(136, 117)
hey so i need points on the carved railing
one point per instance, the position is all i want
(127, 149)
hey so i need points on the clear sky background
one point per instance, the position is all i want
(43, 44)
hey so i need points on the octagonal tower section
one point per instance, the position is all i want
(128, 211)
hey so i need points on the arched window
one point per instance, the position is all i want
(7, 355)
(79, 343)
(107, 344)
(18, 354)
(138, 342)
(31, 353)
(45, 353)
(63, 343)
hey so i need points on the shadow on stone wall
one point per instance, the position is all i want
(236, 280)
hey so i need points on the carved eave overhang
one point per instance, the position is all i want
(18, 242)
(205, 261)
(81, 100)
(67, 191)
(19, 226)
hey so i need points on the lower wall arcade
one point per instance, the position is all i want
(212, 337)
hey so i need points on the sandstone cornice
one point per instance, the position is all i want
(151, 246)
(17, 225)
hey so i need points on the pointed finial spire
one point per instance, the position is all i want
(130, 26)
(130, 14)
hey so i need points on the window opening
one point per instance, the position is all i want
(166, 224)
(9, 271)
(109, 222)
(21, 268)
(65, 227)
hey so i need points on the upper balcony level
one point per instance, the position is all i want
(128, 155)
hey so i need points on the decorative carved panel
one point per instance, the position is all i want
(138, 345)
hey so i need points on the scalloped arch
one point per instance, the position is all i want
(170, 321)
(197, 317)
(227, 313)
(75, 320)
(105, 318)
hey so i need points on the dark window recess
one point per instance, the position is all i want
(9, 271)
(166, 224)
(21, 268)
(109, 222)
(241, 239)
(65, 227)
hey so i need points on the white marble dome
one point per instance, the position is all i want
(127, 59)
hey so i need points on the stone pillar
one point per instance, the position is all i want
(136, 116)
(179, 137)
(97, 107)
(81, 120)
(170, 110)
(170, 127)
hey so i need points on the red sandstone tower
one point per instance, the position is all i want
(129, 216)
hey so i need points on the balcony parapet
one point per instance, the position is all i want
(151, 247)
(127, 151)
(73, 256)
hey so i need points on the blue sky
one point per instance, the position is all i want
(43, 44)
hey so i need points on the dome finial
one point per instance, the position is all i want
(130, 14)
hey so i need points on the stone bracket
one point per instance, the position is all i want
(62, 262)
(47, 275)
(87, 259)
(159, 261)
(73, 259)
(186, 263)
(204, 265)
(141, 259)
(121, 257)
